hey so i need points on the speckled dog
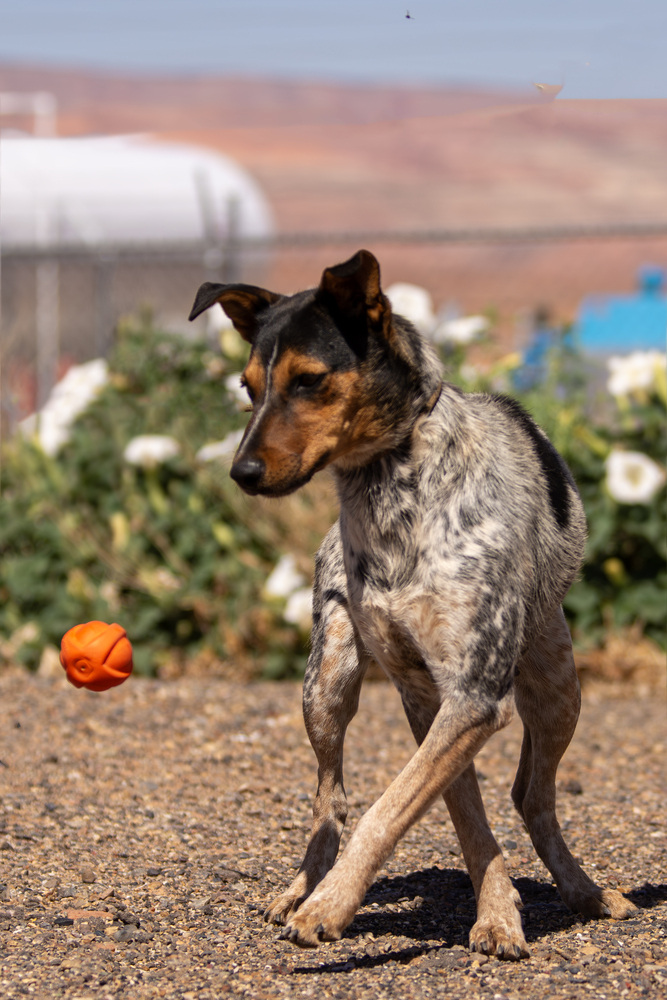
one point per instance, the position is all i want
(460, 532)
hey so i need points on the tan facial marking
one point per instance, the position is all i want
(291, 364)
(255, 377)
(297, 435)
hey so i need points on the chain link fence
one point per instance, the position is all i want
(61, 305)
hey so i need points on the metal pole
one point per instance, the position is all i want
(41, 105)
(45, 109)
(231, 246)
(2, 342)
(47, 310)
(104, 320)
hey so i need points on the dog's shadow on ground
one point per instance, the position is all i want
(439, 904)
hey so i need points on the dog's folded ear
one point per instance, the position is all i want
(352, 291)
(242, 303)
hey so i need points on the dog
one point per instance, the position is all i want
(460, 532)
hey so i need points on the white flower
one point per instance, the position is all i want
(299, 610)
(221, 450)
(149, 450)
(414, 303)
(67, 401)
(284, 579)
(238, 391)
(463, 330)
(633, 477)
(634, 372)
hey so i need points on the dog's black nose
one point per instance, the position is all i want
(247, 472)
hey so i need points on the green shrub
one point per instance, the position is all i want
(180, 557)
(175, 553)
(623, 581)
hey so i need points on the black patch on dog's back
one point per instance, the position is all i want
(556, 472)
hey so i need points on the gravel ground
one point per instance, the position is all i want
(142, 832)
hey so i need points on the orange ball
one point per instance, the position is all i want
(96, 655)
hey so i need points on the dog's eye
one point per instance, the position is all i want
(247, 389)
(308, 380)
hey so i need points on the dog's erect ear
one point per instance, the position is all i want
(353, 290)
(242, 303)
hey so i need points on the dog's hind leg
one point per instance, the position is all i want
(497, 930)
(330, 699)
(548, 699)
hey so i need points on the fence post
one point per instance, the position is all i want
(104, 312)
(231, 263)
(2, 339)
(47, 326)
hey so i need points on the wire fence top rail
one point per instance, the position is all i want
(286, 240)
(482, 234)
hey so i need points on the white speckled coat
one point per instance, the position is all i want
(460, 532)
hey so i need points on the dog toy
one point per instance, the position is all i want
(96, 655)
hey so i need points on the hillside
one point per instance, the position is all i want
(333, 159)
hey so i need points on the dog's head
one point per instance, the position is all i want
(322, 374)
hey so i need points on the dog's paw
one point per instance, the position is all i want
(279, 910)
(317, 921)
(498, 930)
(499, 938)
(306, 934)
(619, 907)
(604, 903)
(287, 902)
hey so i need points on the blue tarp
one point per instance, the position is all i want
(618, 324)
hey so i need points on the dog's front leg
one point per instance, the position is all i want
(459, 730)
(330, 699)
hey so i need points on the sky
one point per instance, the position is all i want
(595, 48)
